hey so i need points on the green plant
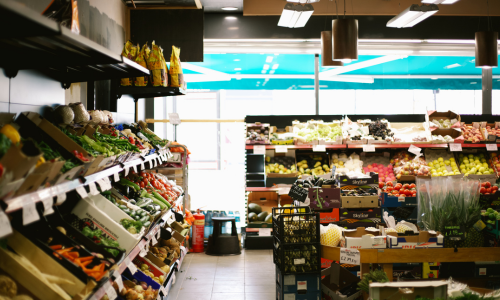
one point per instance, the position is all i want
(373, 276)
(470, 296)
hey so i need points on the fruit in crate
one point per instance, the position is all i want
(492, 216)
(330, 235)
(401, 228)
(442, 167)
(380, 130)
(493, 131)
(487, 188)
(472, 134)
(474, 164)
(279, 169)
(384, 173)
(317, 169)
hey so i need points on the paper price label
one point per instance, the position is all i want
(110, 291)
(368, 148)
(158, 233)
(264, 231)
(159, 162)
(5, 227)
(116, 177)
(130, 265)
(103, 185)
(82, 192)
(135, 168)
(281, 149)
(119, 281)
(415, 150)
(349, 256)
(142, 166)
(401, 199)
(61, 198)
(108, 182)
(319, 148)
(377, 241)
(259, 150)
(456, 147)
(93, 189)
(174, 118)
(299, 261)
(154, 163)
(30, 214)
(126, 170)
(492, 147)
(163, 290)
(154, 240)
(47, 205)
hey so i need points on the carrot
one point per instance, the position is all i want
(86, 258)
(71, 255)
(56, 247)
(86, 263)
(64, 250)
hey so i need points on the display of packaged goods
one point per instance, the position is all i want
(364, 181)
(407, 166)
(317, 133)
(356, 132)
(260, 207)
(257, 134)
(363, 238)
(453, 135)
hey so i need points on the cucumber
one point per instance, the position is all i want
(132, 201)
(122, 207)
(159, 197)
(144, 213)
(137, 217)
(146, 224)
(158, 202)
(149, 208)
(133, 214)
(144, 219)
(127, 211)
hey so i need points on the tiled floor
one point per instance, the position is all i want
(249, 276)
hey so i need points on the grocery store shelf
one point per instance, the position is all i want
(268, 147)
(476, 145)
(149, 92)
(262, 189)
(35, 42)
(37, 196)
(394, 146)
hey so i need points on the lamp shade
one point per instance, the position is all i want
(345, 39)
(326, 51)
(486, 49)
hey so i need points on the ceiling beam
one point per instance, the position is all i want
(372, 8)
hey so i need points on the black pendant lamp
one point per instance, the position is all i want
(326, 51)
(345, 40)
(486, 49)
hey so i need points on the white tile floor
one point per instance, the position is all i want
(248, 276)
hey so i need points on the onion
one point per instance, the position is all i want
(139, 288)
(131, 295)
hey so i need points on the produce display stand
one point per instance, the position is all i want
(387, 257)
(137, 92)
(35, 42)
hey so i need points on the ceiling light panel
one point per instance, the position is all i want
(413, 15)
(439, 1)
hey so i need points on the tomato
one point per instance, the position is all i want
(487, 184)
(406, 186)
(389, 189)
(142, 184)
(494, 188)
(414, 194)
(482, 190)
(488, 190)
(397, 187)
(413, 186)
(396, 195)
(389, 183)
(408, 193)
(381, 185)
(483, 184)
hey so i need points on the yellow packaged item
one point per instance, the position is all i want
(176, 76)
(141, 59)
(130, 52)
(157, 66)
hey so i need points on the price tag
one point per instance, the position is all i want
(174, 118)
(135, 168)
(61, 198)
(130, 265)
(319, 148)
(378, 241)
(492, 147)
(110, 291)
(454, 233)
(349, 256)
(299, 261)
(93, 189)
(116, 177)
(103, 184)
(368, 148)
(153, 163)
(415, 150)
(163, 290)
(158, 233)
(281, 149)
(159, 162)
(47, 206)
(30, 214)
(126, 169)
(142, 166)
(171, 219)
(119, 281)
(82, 192)
(108, 182)
(401, 199)
(5, 227)
(298, 193)
(259, 149)
(264, 231)
(154, 240)
(158, 297)
(456, 147)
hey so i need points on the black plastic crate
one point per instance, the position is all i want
(297, 258)
(296, 225)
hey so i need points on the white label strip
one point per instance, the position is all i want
(82, 192)
(93, 189)
(30, 214)
(5, 227)
(47, 205)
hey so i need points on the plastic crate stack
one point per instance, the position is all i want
(297, 253)
(402, 208)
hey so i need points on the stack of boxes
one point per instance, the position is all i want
(401, 208)
(297, 253)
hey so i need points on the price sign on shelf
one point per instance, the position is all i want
(30, 214)
(319, 148)
(110, 291)
(456, 147)
(264, 231)
(259, 149)
(174, 118)
(93, 189)
(118, 280)
(415, 150)
(298, 193)
(349, 256)
(369, 148)
(281, 149)
(5, 228)
(492, 147)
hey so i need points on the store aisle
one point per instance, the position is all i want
(249, 276)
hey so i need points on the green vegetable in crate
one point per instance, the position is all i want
(5, 144)
(269, 219)
(255, 208)
(262, 216)
(252, 217)
(97, 237)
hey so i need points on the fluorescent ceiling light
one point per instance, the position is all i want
(453, 66)
(237, 59)
(237, 69)
(439, 1)
(413, 15)
(361, 65)
(269, 59)
(265, 67)
(230, 18)
(229, 8)
(294, 16)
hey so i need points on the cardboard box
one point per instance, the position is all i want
(158, 261)
(85, 209)
(326, 263)
(352, 183)
(359, 214)
(267, 201)
(414, 290)
(456, 134)
(392, 201)
(329, 217)
(20, 163)
(157, 272)
(449, 115)
(360, 201)
(360, 238)
(335, 279)
(323, 198)
(258, 126)
(423, 240)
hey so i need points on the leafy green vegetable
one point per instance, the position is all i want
(5, 144)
